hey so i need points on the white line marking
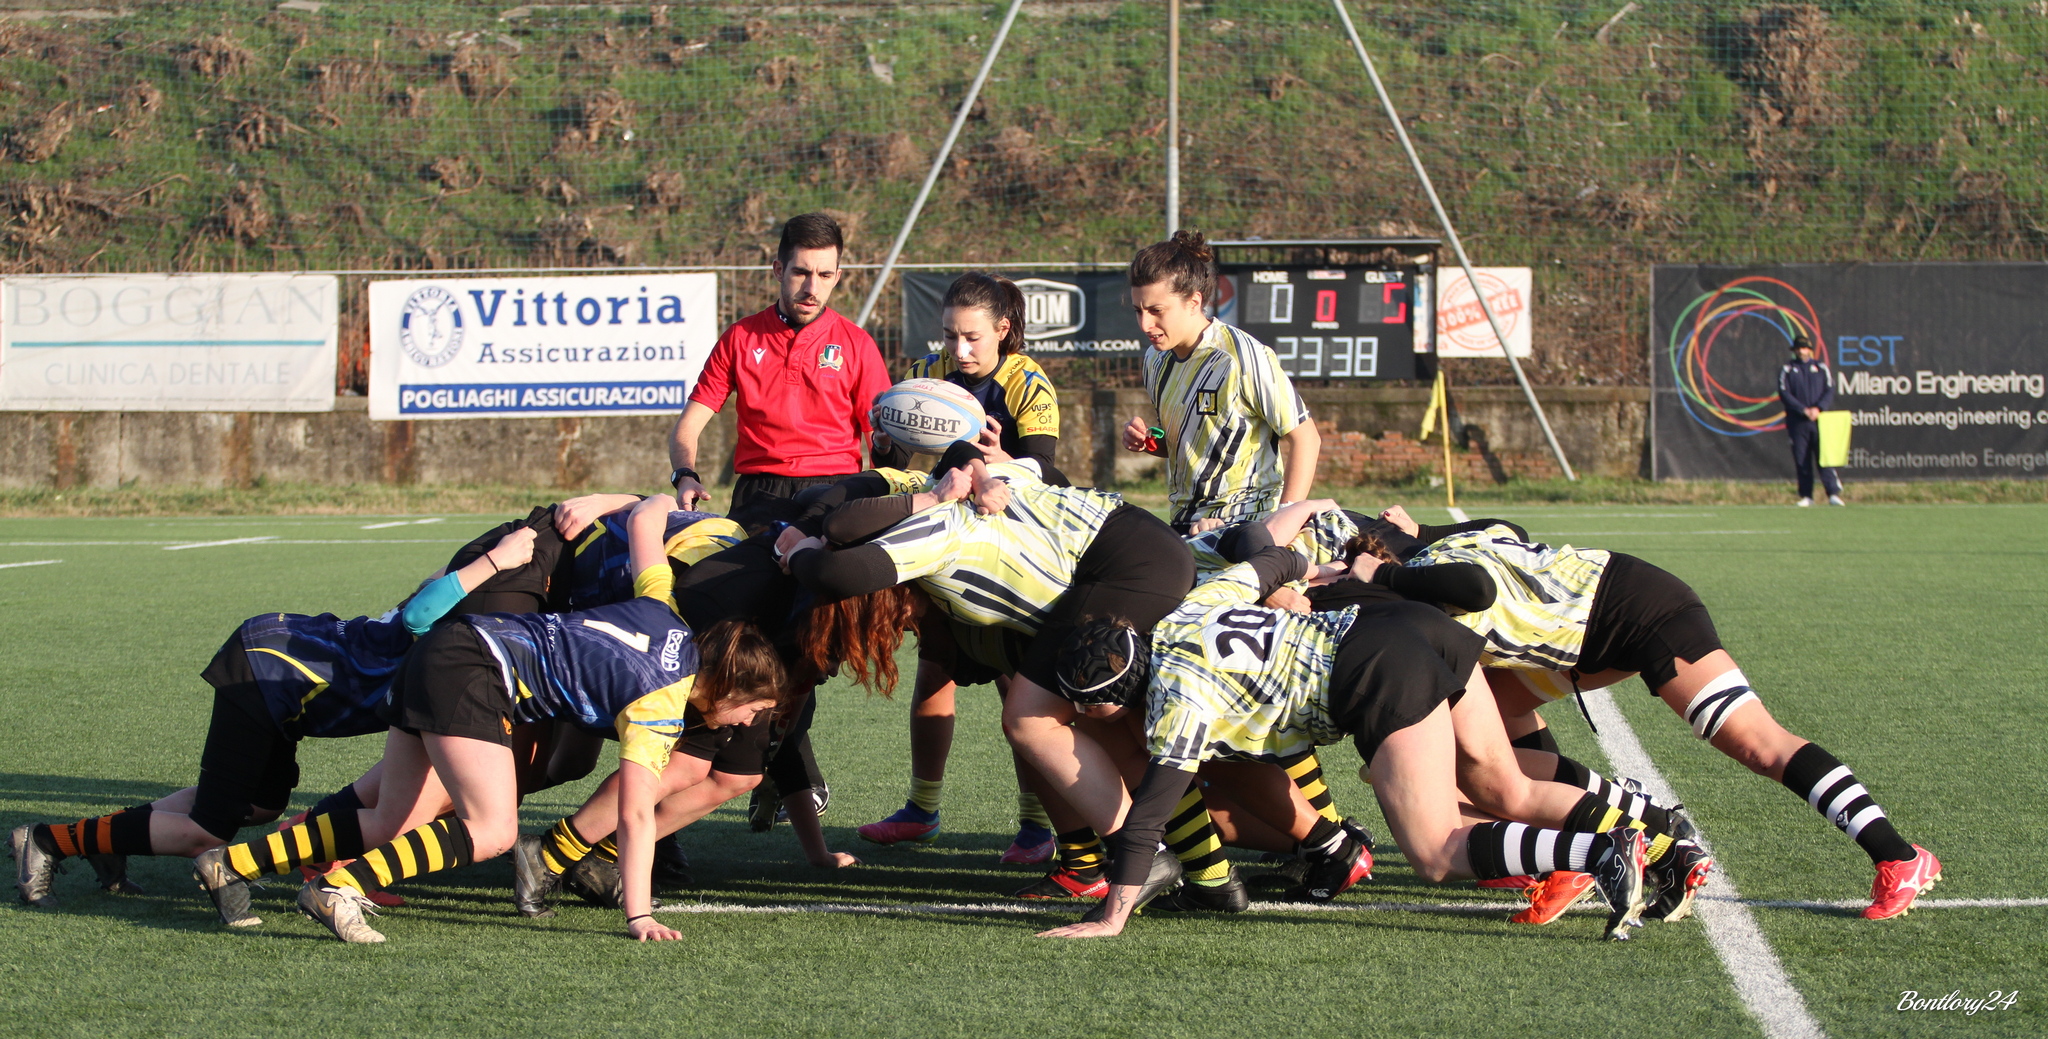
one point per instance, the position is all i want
(1648, 533)
(1758, 976)
(216, 544)
(1591, 907)
(1458, 515)
(37, 562)
(400, 523)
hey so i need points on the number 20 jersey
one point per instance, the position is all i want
(1232, 679)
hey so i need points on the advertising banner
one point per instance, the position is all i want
(614, 344)
(1942, 367)
(1461, 326)
(168, 342)
(1075, 315)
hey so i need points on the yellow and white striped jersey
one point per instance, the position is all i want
(1321, 540)
(1538, 620)
(1005, 569)
(1224, 410)
(1232, 679)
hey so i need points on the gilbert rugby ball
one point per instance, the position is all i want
(927, 415)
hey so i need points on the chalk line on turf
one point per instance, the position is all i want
(217, 544)
(1458, 515)
(1467, 908)
(33, 562)
(1759, 977)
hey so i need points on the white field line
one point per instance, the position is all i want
(217, 544)
(400, 523)
(1458, 515)
(34, 562)
(1751, 964)
(1592, 907)
(1644, 533)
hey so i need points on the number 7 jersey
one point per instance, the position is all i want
(1232, 679)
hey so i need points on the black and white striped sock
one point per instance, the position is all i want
(1833, 791)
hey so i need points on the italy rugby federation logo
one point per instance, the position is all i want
(832, 357)
(430, 326)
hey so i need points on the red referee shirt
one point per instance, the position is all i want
(804, 393)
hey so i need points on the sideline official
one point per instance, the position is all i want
(804, 375)
(1807, 387)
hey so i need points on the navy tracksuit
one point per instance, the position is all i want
(1803, 385)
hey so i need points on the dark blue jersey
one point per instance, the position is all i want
(1803, 385)
(600, 571)
(324, 676)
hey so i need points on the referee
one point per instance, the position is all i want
(805, 377)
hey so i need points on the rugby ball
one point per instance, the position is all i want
(927, 415)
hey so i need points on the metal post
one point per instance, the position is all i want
(931, 176)
(1451, 233)
(1172, 117)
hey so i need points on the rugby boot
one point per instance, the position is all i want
(1619, 874)
(1164, 874)
(1675, 879)
(1552, 895)
(1521, 882)
(1231, 896)
(229, 892)
(908, 824)
(34, 869)
(1066, 883)
(1899, 882)
(110, 872)
(1359, 833)
(1032, 845)
(1330, 874)
(531, 881)
(341, 909)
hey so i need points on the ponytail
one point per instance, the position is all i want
(997, 295)
(1183, 262)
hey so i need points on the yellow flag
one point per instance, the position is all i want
(1436, 406)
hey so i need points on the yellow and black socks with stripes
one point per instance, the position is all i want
(320, 838)
(1192, 838)
(563, 847)
(1833, 791)
(439, 845)
(1307, 774)
(1031, 812)
(1500, 850)
(924, 793)
(1593, 815)
(1654, 817)
(606, 850)
(1082, 852)
(125, 832)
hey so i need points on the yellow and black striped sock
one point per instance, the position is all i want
(1307, 773)
(1031, 811)
(563, 847)
(1191, 837)
(125, 832)
(1081, 851)
(320, 838)
(606, 850)
(1594, 815)
(441, 844)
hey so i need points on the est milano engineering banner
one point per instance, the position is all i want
(168, 342)
(539, 346)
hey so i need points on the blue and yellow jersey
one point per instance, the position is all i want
(1224, 410)
(1006, 569)
(628, 667)
(600, 570)
(1017, 392)
(1233, 679)
(1538, 620)
(324, 676)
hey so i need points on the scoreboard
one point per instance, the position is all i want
(1336, 322)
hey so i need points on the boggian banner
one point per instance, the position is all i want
(1461, 326)
(566, 345)
(1943, 367)
(1081, 315)
(168, 342)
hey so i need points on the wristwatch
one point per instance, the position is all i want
(681, 471)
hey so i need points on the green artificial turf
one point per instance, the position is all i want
(1904, 638)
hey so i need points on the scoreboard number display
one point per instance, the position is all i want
(1331, 322)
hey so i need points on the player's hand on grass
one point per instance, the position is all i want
(646, 929)
(1399, 517)
(1085, 929)
(836, 860)
(575, 516)
(512, 551)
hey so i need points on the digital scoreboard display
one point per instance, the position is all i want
(1331, 322)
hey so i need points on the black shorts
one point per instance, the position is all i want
(1645, 620)
(450, 685)
(738, 750)
(1137, 568)
(248, 761)
(522, 589)
(1398, 661)
(762, 498)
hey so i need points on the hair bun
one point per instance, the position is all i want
(1195, 245)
